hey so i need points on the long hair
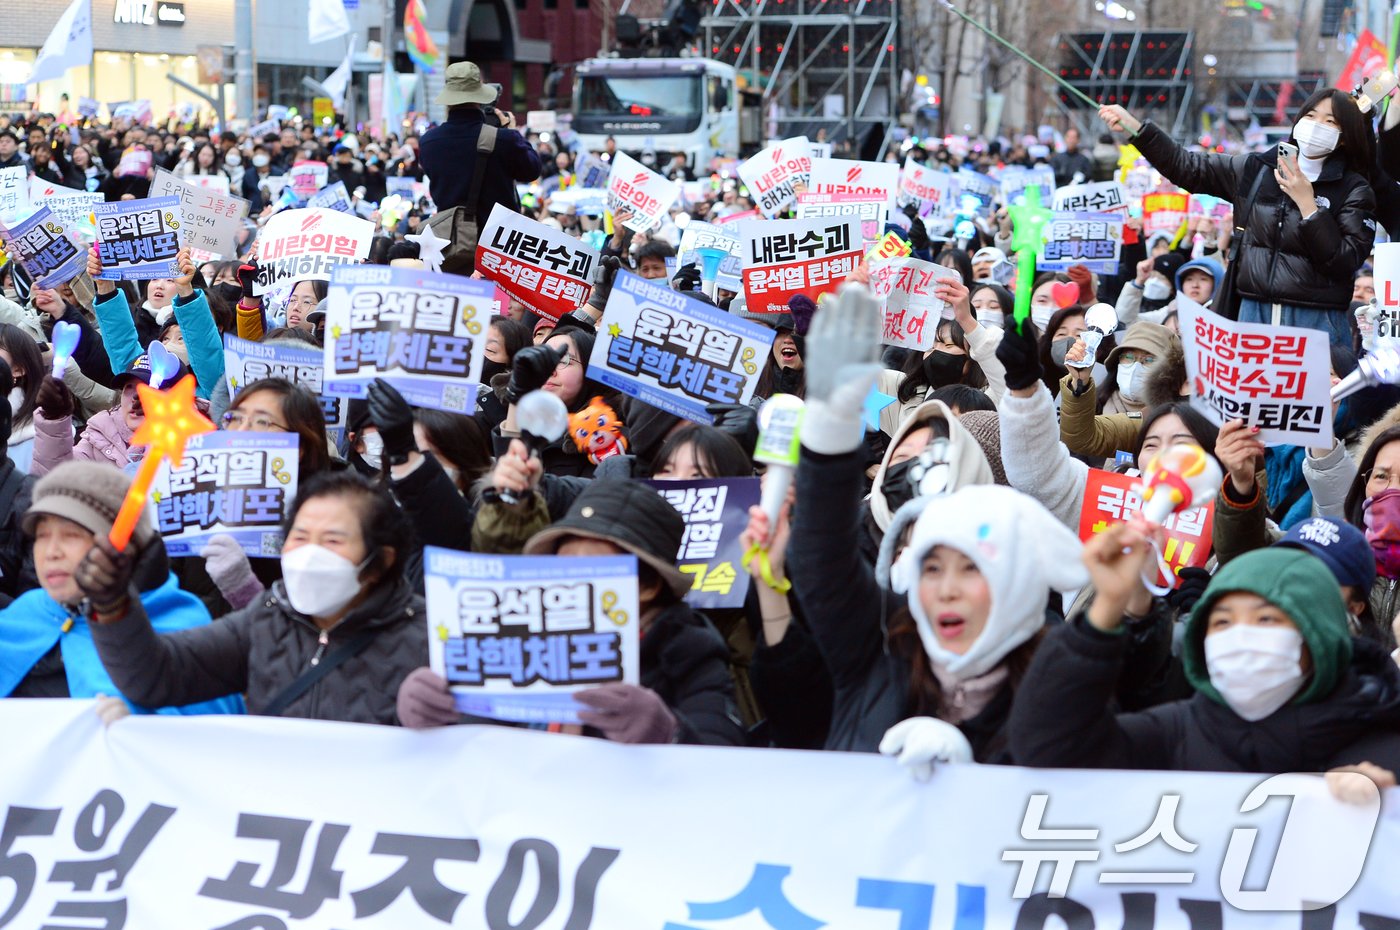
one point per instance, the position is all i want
(925, 693)
(1358, 140)
(1050, 372)
(717, 453)
(24, 354)
(303, 413)
(916, 382)
(460, 440)
(1201, 429)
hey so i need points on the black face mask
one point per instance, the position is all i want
(895, 485)
(943, 368)
(232, 293)
(490, 369)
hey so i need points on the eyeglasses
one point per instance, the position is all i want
(1129, 357)
(307, 303)
(565, 362)
(258, 422)
(1381, 478)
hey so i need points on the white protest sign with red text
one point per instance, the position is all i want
(843, 176)
(912, 311)
(1387, 283)
(637, 189)
(547, 270)
(870, 208)
(931, 189)
(1277, 378)
(773, 174)
(307, 244)
(787, 257)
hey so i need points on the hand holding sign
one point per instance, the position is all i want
(184, 272)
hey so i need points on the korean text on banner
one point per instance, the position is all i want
(1277, 378)
(700, 235)
(331, 197)
(675, 352)
(139, 239)
(716, 512)
(265, 128)
(1101, 197)
(871, 209)
(423, 332)
(1111, 498)
(636, 189)
(547, 270)
(212, 221)
(787, 257)
(912, 311)
(14, 194)
(73, 209)
(44, 249)
(307, 177)
(517, 636)
(308, 244)
(246, 362)
(1163, 213)
(773, 174)
(843, 176)
(1014, 183)
(1387, 284)
(238, 483)
(204, 839)
(932, 190)
(1090, 239)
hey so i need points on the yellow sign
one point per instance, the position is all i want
(891, 246)
(323, 111)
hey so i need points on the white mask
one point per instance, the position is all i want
(1040, 316)
(374, 449)
(319, 582)
(991, 318)
(1256, 669)
(1130, 381)
(1316, 140)
(1156, 289)
(260, 161)
(233, 159)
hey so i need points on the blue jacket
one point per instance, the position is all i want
(196, 320)
(34, 622)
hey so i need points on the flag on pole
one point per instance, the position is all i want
(340, 78)
(420, 46)
(328, 21)
(69, 45)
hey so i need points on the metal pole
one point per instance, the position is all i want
(386, 36)
(216, 104)
(243, 59)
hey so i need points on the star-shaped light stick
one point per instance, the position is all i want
(171, 419)
(430, 247)
(1028, 242)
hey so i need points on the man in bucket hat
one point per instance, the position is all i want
(686, 695)
(448, 152)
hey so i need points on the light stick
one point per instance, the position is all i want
(1028, 241)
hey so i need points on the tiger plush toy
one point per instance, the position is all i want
(597, 431)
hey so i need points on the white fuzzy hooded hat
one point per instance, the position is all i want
(1021, 550)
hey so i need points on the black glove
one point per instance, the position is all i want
(54, 399)
(918, 234)
(1191, 584)
(531, 369)
(391, 413)
(687, 279)
(739, 421)
(104, 576)
(247, 272)
(607, 271)
(1019, 354)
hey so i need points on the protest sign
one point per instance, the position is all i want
(517, 636)
(236, 483)
(547, 270)
(843, 176)
(212, 221)
(216, 182)
(87, 107)
(591, 171)
(404, 187)
(736, 217)
(773, 174)
(700, 235)
(890, 245)
(498, 821)
(1015, 181)
(1110, 498)
(139, 239)
(307, 177)
(73, 209)
(675, 352)
(870, 208)
(246, 362)
(41, 245)
(1277, 378)
(636, 189)
(308, 244)
(1089, 239)
(1163, 213)
(277, 112)
(135, 163)
(716, 512)
(982, 189)
(331, 197)
(932, 190)
(1387, 285)
(540, 120)
(912, 311)
(268, 127)
(423, 332)
(14, 194)
(1102, 197)
(787, 257)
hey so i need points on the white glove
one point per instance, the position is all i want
(231, 571)
(1366, 316)
(111, 709)
(918, 742)
(842, 363)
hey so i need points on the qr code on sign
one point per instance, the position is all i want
(271, 544)
(454, 397)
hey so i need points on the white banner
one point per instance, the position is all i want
(912, 310)
(69, 44)
(787, 257)
(640, 191)
(14, 194)
(1103, 197)
(74, 208)
(212, 220)
(1387, 282)
(272, 824)
(307, 244)
(773, 174)
(1277, 378)
(932, 189)
(843, 176)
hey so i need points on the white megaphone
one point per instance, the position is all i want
(1381, 366)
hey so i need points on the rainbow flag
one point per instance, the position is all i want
(421, 48)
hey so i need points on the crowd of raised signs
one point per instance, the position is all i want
(1014, 451)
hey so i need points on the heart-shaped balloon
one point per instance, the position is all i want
(65, 340)
(164, 365)
(1065, 293)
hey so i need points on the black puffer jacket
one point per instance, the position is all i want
(261, 649)
(1062, 718)
(1285, 259)
(685, 661)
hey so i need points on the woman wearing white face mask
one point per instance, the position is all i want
(1311, 222)
(332, 641)
(1281, 685)
(1137, 351)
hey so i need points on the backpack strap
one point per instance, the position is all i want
(485, 147)
(304, 682)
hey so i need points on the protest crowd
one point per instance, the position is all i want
(1020, 451)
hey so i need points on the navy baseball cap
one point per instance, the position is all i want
(1341, 547)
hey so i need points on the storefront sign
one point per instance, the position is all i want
(149, 13)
